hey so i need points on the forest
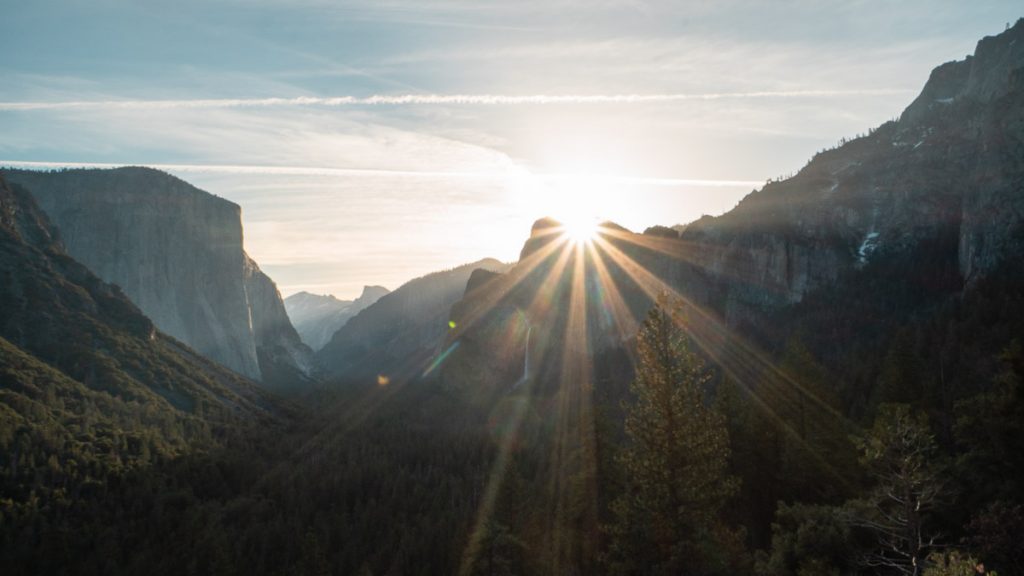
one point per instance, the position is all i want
(820, 374)
(900, 454)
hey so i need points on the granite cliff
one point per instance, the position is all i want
(66, 332)
(176, 252)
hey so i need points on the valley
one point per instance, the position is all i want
(826, 379)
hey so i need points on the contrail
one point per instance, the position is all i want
(432, 100)
(327, 171)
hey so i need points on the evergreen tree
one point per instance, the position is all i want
(990, 431)
(501, 552)
(668, 521)
(755, 459)
(901, 455)
(817, 460)
(901, 379)
(808, 540)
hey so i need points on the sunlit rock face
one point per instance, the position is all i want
(317, 317)
(176, 251)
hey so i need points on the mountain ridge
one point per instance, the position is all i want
(941, 185)
(395, 335)
(317, 317)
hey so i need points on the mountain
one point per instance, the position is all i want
(316, 318)
(886, 275)
(92, 398)
(917, 212)
(82, 369)
(177, 253)
(948, 171)
(60, 320)
(394, 336)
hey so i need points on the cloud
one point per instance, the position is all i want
(250, 169)
(305, 139)
(325, 171)
(434, 99)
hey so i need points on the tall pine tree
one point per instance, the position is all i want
(668, 520)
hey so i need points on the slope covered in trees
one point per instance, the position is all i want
(90, 392)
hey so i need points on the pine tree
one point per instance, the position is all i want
(901, 372)
(817, 460)
(754, 459)
(668, 520)
(901, 455)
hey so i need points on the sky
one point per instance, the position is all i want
(369, 142)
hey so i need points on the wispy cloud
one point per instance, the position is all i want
(434, 99)
(369, 172)
(249, 169)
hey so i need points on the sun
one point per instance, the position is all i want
(578, 201)
(580, 230)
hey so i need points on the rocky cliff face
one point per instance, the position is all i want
(56, 315)
(285, 362)
(317, 317)
(176, 251)
(397, 334)
(951, 167)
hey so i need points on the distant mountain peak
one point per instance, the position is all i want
(317, 317)
(304, 295)
(373, 293)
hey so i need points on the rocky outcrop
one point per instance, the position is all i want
(985, 76)
(542, 233)
(396, 336)
(317, 317)
(176, 252)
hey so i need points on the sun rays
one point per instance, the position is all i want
(574, 292)
(577, 289)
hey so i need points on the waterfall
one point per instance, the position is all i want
(526, 356)
(526, 359)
